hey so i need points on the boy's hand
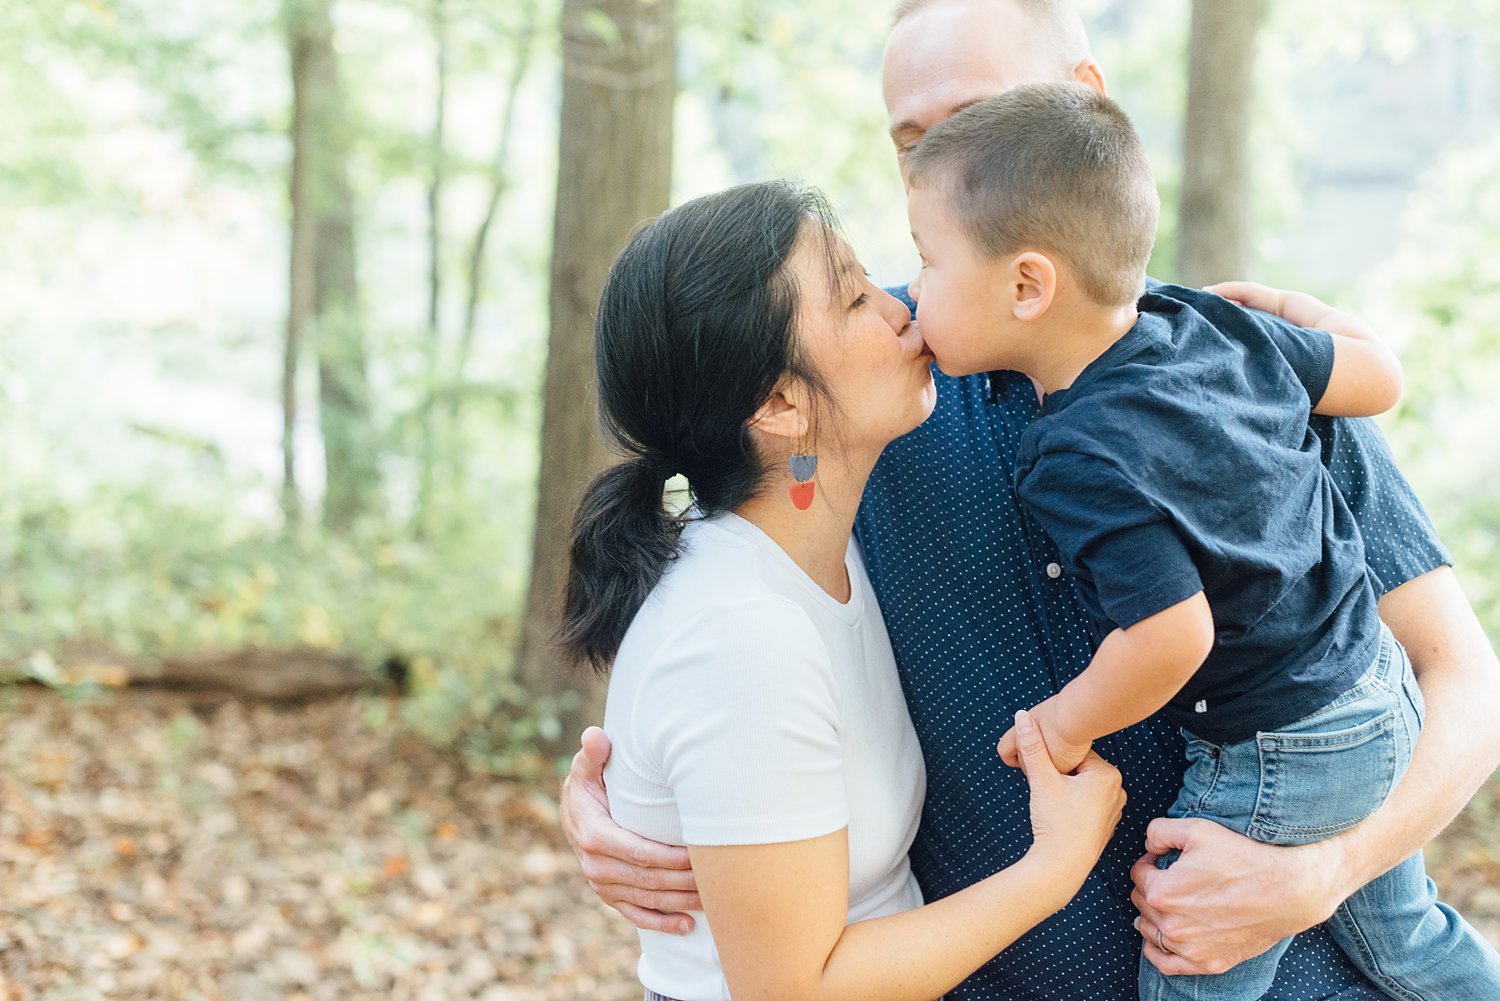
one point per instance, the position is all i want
(1366, 379)
(1065, 750)
(1294, 307)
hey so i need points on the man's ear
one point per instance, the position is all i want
(1089, 73)
(784, 414)
(1033, 283)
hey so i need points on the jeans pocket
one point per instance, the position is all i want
(1314, 785)
(1413, 693)
(1200, 779)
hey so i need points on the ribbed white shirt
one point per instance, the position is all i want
(747, 706)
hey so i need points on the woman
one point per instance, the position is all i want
(754, 706)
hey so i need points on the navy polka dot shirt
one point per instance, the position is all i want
(984, 622)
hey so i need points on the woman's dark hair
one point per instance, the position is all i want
(696, 327)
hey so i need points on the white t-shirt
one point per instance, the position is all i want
(748, 706)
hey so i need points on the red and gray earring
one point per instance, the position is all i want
(803, 467)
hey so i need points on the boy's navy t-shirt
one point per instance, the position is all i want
(1181, 460)
(984, 622)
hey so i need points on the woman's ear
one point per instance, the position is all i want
(784, 414)
(1033, 283)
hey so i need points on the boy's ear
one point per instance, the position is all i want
(783, 415)
(1033, 283)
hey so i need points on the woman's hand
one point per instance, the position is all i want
(1072, 815)
(790, 901)
(1067, 752)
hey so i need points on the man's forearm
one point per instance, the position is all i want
(1228, 898)
(1459, 747)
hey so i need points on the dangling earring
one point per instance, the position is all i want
(803, 467)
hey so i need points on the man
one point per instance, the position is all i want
(983, 622)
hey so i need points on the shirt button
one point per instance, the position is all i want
(1054, 571)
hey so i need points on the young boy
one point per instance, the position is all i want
(1173, 466)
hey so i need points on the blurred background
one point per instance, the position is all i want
(294, 400)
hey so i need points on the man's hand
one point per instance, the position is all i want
(1228, 898)
(648, 882)
(1066, 752)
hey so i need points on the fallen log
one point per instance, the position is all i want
(258, 673)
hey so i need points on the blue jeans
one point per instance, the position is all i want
(1317, 777)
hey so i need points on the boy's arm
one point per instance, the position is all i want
(1134, 673)
(1366, 377)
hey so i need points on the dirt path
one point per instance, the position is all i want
(150, 850)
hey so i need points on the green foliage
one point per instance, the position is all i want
(140, 573)
(132, 524)
(136, 572)
(139, 391)
(1441, 292)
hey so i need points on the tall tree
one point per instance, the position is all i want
(438, 155)
(324, 285)
(614, 170)
(1214, 216)
(499, 183)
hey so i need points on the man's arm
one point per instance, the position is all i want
(1228, 898)
(650, 883)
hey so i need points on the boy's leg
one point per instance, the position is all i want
(1221, 784)
(1305, 783)
(1411, 945)
(1395, 929)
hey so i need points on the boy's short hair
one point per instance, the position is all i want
(1055, 167)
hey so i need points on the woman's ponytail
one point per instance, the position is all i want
(623, 539)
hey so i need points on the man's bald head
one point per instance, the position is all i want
(1056, 27)
(943, 55)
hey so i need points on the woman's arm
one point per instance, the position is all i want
(778, 911)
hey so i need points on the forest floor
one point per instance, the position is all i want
(156, 847)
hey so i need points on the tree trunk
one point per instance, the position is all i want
(427, 459)
(300, 279)
(499, 178)
(1214, 215)
(325, 212)
(614, 171)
